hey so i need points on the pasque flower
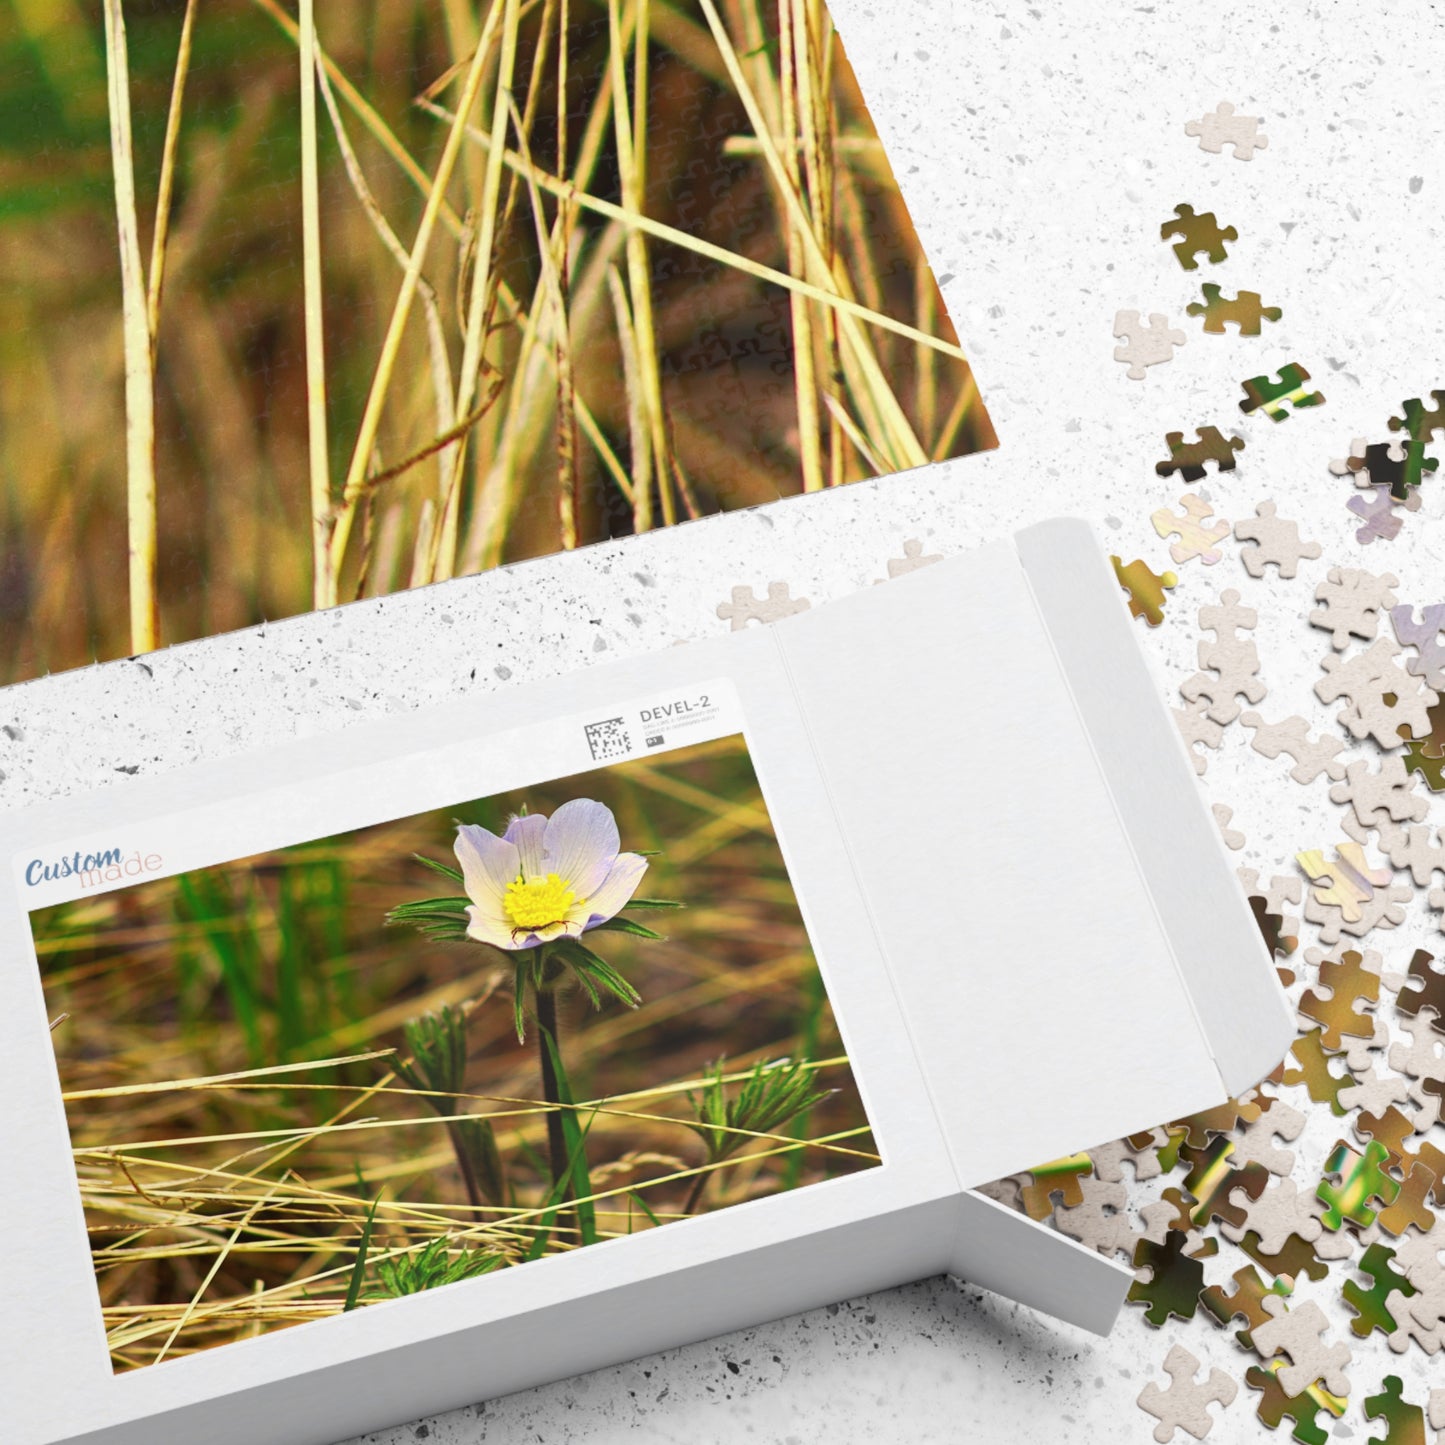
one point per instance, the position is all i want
(546, 878)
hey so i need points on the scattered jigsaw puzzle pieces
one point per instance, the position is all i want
(1261, 392)
(1188, 458)
(1292, 737)
(1198, 234)
(1221, 127)
(1379, 800)
(1145, 345)
(1059, 1176)
(1145, 588)
(1276, 1404)
(1244, 311)
(1426, 755)
(1245, 1301)
(1230, 663)
(1384, 698)
(1274, 541)
(1195, 538)
(1299, 1333)
(1185, 1404)
(1346, 884)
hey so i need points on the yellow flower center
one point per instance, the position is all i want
(537, 902)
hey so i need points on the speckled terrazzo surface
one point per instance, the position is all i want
(1039, 154)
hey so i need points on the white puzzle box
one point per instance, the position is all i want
(376, 1073)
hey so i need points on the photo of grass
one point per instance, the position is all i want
(383, 1062)
(301, 303)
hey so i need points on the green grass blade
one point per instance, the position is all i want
(358, 1270)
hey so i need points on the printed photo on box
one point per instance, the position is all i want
(439, 1047)
(499, 280)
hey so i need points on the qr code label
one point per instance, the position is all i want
(608, 739)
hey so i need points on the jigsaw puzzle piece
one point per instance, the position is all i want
(1243, 311)
(1145, 345)
(1185, 1404)
(1271, 395)
(1188, 458)
(1221, 127)
(1199, 234)
(1145, 588)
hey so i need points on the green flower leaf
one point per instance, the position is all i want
(619, 924)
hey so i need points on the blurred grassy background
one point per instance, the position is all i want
(624, 377)
(230, 1228)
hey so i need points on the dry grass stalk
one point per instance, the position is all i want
(323, 585)
(140, 433)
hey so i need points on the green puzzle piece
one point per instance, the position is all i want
(1175, 1279)
(1369, 1304)
(1362, 1178)
(1404, 1422)
(1262, 392)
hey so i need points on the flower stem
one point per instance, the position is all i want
(695, 1195)
(546, 1000)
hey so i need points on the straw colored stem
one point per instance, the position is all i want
(323, 585)
(139, 372)
(391, 345)
(827, 295)
(166, 187)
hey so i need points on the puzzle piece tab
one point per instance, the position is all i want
(1271, 395)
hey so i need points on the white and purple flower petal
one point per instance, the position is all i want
(488, 864)
(581, 843)
(528, 832)
(615, 890)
